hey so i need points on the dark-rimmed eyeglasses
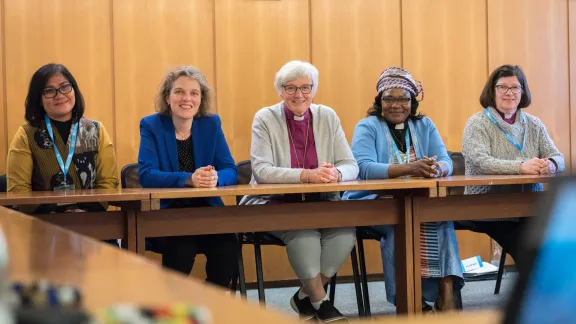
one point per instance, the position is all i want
(504, 89)
(389, 101)
(53, 92)
(305, 89)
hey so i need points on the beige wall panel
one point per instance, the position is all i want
(351, 44)
(73, 33)
(445, 47)
(253, 40)
(534, 34)
(572, 58)
(4, 141)
(152, 37)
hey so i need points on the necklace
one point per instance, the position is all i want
(305, 150)
(398, 140)
(182, 136)
(305, 146)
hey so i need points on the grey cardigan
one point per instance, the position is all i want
(270, 150)
(487, 150)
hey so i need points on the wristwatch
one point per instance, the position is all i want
(339, 175)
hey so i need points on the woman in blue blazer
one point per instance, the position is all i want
(183, 146)
(397, 141)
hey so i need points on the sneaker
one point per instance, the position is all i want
(303, 307)
(328, 313)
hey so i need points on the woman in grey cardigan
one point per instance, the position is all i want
(296, 141)
(503, 139)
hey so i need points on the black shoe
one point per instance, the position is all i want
(303, 307)
(427, 309)
(328, 313)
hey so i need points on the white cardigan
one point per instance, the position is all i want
(270, 151)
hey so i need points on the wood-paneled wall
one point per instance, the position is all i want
(119, 51)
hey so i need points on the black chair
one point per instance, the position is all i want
(459, 169)
(3, 183)
(365, 233)
(263, 238)
(129, 178)
(4, 188)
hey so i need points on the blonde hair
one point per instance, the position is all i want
(193, 73)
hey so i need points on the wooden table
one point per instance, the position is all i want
(470, 207)
(274, 217)
(103, 225)
(107, 276)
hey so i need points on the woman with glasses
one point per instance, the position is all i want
(58, 148)
(396, 141)
(503, 139)
(296, 141)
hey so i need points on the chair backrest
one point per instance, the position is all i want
(129, 176)
(459, 169)
(244, 172)
(3, 183)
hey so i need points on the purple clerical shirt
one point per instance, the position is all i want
(297, 128)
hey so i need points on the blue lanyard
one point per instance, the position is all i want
(508, 136)
(397, 151)
(72, 144)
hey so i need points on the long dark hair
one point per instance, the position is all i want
(376, 109)
(34, 109)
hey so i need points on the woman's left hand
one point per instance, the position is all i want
(435, 165)
(549, 168)
(333, 171)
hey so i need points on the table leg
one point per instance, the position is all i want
(131, 236)
(404, 260)
(417, 275)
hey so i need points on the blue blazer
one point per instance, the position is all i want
(158, 155)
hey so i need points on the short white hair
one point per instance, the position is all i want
(294, 70)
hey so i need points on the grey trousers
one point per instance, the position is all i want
(316, 251)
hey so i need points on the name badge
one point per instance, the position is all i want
(471, 264)
(65, 187)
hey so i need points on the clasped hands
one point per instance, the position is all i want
(427, 167)
(325, 173)
(536, 166)
(204, 177)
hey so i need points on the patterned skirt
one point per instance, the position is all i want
(439, 258)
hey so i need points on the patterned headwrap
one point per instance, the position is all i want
(395, 77)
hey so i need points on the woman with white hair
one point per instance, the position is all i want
(295, 141)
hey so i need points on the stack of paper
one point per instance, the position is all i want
(486, 272)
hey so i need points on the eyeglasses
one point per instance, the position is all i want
(52, 92)
(504, 89)
(391, 101)
(305, 89)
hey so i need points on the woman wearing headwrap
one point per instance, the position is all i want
(397, 141)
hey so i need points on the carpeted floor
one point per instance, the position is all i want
(476, 295)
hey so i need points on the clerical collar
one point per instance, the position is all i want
(508, 118)
(291, 116)
(397, 127)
